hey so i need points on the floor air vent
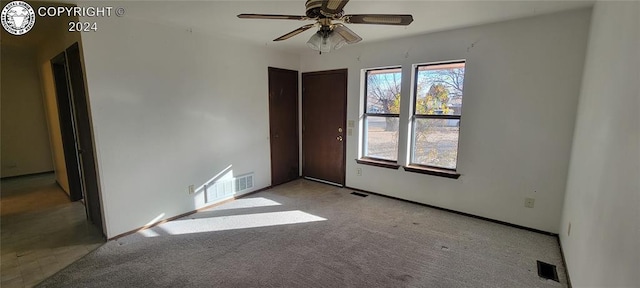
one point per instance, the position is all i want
(547, 271)
(359, 194)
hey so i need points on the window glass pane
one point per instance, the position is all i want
(436, 142)
(439, 89)
(383, 91)
(382, 137)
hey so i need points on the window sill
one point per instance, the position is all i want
(432, 171)
(378, 163)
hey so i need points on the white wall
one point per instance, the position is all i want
(171, 108)
(521, 89)
(25, 144)
(603, 190)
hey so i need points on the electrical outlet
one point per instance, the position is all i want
(569, 230)
(359, 171)
(529, 202)
(192, 189)
(349, 131)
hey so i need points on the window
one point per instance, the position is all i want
(382, 111)
(436, 115)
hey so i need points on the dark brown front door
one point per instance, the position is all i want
(324, 109)
(283, 125)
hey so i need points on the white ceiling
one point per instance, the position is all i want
(429, 16)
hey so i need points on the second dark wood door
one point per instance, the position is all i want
(324, 107)
(85, 136)
(283, 125)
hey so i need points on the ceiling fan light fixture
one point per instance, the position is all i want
(325, 46)
(337, 40)
(315, 41)
(326, 43)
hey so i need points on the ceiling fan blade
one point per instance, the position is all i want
(349, 36)
(272, 16)
(382, 19)
(294, 32)
(333, 6)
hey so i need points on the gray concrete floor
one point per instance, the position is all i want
(41, 231)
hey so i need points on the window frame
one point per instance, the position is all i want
(423, 168)
(377, 161)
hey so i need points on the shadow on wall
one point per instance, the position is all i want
(223, 186)
(225, 175)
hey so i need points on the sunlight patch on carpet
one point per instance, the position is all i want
(214, 224)
(246, 203)
(148, 233)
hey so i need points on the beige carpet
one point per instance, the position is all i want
(306, 234)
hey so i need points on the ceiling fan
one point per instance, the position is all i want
(329, 16)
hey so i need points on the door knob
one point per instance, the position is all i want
(339, 138)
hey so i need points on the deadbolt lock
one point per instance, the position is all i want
(340, 129)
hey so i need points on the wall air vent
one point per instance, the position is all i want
(225, 188)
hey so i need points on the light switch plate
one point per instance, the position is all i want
(351, 123)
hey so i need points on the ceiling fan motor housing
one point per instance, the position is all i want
(313, 8)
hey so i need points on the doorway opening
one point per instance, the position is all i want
(77, 136)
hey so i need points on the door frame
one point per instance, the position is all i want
(84, 124)
(297, 130)
(345, 73)
(69, 119)
(67, 126)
